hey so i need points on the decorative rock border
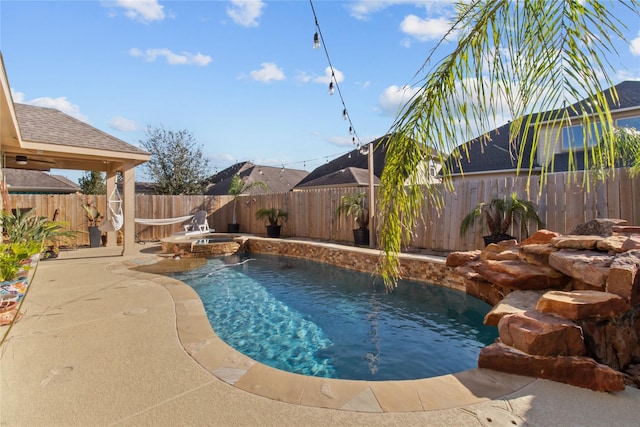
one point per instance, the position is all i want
(548, 288)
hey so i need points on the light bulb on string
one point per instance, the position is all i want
(316, 40)
(364, 150)
(331, 88)
(345, 116)
(350, 130)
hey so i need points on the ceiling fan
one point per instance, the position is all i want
(25, 161)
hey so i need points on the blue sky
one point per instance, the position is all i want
(242, 76)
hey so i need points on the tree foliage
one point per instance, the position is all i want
(177, 164)
(511, 59)
(238, 186)
(625, 152)
(92, 182)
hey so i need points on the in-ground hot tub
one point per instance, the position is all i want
(203, 245)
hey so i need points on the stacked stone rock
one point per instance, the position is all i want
(567, 307)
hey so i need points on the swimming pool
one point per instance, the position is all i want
(315, 319)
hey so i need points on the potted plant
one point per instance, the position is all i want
(273, 215)
(354, 205)
(499, 214)
(236, 188)
(93, 217)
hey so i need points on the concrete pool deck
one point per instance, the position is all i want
(103, 344)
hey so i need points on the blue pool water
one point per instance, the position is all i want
(315, 319)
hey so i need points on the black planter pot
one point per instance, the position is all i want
(233, 228)
(361, 237)
(95, 236)
(273, 230)
(495, 238)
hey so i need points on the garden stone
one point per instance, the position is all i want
(540, 237)
(576, 242)
(591, 267)
(579, 371)
(536, 254)
(612, 244)
(623, 278)
(520, 275)
(456, 259)
(598, 226)
(515, 302)
(633, 242)
(577, 305)
(541, 334)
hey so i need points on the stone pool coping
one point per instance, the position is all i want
(227, 364)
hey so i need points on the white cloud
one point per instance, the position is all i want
(425, 29)
(141, 10)
(184, 58)
(268, 73)
(362, 9)
(634, 46)
(17, 96)
(338, 76)
(61, 103)
(246, 12)
(122, 124)
(394, 98)
(302, 77)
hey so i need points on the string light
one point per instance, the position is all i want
(333, 83)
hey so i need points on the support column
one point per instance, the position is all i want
(129, 209)
(372, 200)
(110, 184)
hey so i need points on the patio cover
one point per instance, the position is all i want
(48, 138)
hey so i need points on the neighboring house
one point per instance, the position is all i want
(497, 156)
(352, 169)
(26, 181)
(277, 180)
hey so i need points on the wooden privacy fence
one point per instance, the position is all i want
(563, 203)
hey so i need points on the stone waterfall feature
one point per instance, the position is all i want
(567, 307)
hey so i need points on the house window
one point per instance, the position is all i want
(629, 122)
(573, 137)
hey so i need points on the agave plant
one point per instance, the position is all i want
(25, 227)
(500, 213)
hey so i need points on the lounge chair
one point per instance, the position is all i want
(198, 224)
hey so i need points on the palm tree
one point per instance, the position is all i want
(237, 187)
(511, 58)
(499, 214)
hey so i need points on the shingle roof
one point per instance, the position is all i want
(344, 177)
(278, 180)
(498, 154)
(352, 159)
(33, 181)
(47, 125)
(495, 154)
